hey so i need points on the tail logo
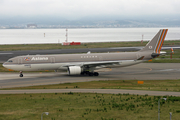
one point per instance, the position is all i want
(27, 58)
(161, 40)
(156, 43)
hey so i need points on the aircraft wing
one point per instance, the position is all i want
(101, 64)
(94, 64)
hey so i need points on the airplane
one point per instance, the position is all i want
(87, 64)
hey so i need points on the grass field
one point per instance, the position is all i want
(84, 45)
(59, 46)
(154, 85)
(75, 106)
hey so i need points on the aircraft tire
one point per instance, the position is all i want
(96, 74)
(83, 73)
(21, 75)
(91, 74)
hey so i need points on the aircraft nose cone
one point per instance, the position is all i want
(4, 65)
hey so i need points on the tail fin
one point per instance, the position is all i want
(156, 43)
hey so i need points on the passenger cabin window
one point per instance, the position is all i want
(88, 56)
(9, 61)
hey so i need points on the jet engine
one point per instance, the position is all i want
(74, 70)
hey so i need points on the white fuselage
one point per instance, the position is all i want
(61, 62)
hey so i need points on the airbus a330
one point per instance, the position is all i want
(87, 64)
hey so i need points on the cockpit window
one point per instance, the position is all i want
(9, 61)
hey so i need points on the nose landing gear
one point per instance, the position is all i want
(21, 74)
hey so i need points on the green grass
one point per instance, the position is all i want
(164, 61)
(85, 45)
(78, 106)
(3, 69)
(154, 85)
(59, 46)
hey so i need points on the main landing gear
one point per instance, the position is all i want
(21, 74)
(90, 73)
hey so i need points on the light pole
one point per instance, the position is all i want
(170, 115)
(159, 107)
(47, 113)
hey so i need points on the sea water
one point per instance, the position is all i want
(40, 36)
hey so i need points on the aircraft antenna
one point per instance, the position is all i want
(142, 38)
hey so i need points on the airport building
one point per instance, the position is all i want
(31, 26)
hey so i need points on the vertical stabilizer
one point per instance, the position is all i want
(156, 43)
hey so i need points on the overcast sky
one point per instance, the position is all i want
(75, 9)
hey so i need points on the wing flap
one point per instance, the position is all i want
(97, 64)
(94, 64)
(104, 64)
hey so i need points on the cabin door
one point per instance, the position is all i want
(100, 58)
(20, 61)
(138, 56)
(52, 60)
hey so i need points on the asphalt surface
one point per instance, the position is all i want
(143, 71)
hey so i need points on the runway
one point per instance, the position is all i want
(143, 71)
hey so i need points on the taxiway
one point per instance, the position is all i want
(143, 71)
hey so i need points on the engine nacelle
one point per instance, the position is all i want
(74, 70)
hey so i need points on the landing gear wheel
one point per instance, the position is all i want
(91, 74)
(21, 74)
(96, 74)
(83, 73)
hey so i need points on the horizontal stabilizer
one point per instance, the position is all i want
(141, 58)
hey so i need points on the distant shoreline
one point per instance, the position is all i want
(86, 27)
